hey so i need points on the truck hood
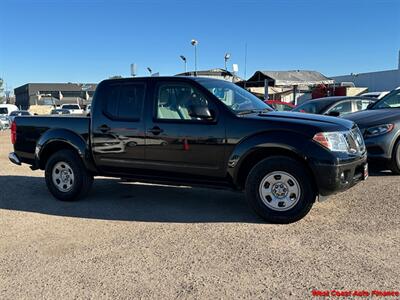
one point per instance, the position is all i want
(371, 117)
(321, 121)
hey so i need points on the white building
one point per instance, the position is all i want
(374, 81)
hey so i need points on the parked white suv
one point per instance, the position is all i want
(73, 108)
(6, 109)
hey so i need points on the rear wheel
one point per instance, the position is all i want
(395, 160)
(66, 177)
(280, 189)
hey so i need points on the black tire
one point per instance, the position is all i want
(395, 160)
(292, 167)
(82, 180)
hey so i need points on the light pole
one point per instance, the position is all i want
(195, 43)
(184, 62)
(150, 70)
(226, 58)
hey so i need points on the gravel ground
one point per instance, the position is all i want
(129, 240)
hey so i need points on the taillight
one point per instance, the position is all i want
(13, 132)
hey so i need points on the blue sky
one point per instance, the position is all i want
(89, 40)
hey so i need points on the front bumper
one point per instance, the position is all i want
(332, 179)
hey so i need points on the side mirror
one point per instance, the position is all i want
(200, 111)
(334, 114)
(370, 105)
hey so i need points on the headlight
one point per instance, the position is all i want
(350, 142)
(334, 141)
(378, 130)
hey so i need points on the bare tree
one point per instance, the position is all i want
(1, 90)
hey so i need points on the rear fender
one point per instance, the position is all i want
(62, 137)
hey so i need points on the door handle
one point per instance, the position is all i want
(155, 130)
(104, 128)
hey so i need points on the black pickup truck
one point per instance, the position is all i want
(195, 131)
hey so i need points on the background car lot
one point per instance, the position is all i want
(133, 240)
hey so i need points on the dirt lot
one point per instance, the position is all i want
(150, 241)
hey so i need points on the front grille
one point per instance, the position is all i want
(355, 141)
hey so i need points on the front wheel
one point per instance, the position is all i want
(66, 177)
(280, 189)
(395, 160)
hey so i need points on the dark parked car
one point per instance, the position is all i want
(192, 131)
(16, 113)
(380, 125)
(335, 106)
(60, 111)
(280, 105)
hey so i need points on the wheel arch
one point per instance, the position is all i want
(261, 153)
(248, 153)
(59, 139)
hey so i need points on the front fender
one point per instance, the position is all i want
(281, 143)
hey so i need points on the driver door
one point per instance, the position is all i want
(176, 141)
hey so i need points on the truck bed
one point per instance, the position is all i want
(31, 128)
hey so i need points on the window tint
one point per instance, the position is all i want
(342, 108)
(176, 100)
(124, 102)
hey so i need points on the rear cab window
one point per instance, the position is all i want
(124, 101)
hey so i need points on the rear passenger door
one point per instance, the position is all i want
(118, 138)
(177, 142)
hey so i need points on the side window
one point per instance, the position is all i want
(342, 108)
(175, 101)
(362, 104)
(125, 101)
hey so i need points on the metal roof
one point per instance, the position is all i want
(63, 87)
(289, 78)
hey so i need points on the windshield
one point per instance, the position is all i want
(237, 99)
(391, 100)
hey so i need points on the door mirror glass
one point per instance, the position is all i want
(200, 111)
